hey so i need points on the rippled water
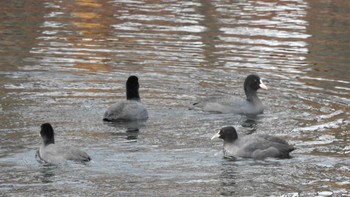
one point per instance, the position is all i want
(65, 62)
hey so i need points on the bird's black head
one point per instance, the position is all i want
(132, 88)
(253, 82)
(228, 134)
(47, 134)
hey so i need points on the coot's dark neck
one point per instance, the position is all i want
(251, 95)
(48, 141)
(229, 141)
(133, 94)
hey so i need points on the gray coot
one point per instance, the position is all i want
(50, 152)
(253, 146)
(250, 105)
(130, 109)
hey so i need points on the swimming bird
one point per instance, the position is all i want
(54, 153)
(253, 146)
(250, 105)
(130, 109)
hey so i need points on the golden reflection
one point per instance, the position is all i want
(85, 15)
(93, 25)
(87, 25)
(93, 67)
(90, 3)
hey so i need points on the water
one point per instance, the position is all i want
(66, 62)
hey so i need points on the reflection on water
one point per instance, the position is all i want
(66, 62)
(251, 123)
(47, 173)
(132, 128)
(228, 178)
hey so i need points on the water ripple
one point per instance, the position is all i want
(70, 60)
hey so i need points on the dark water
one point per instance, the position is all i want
(65, 62)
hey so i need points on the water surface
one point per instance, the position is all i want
(65, 62)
